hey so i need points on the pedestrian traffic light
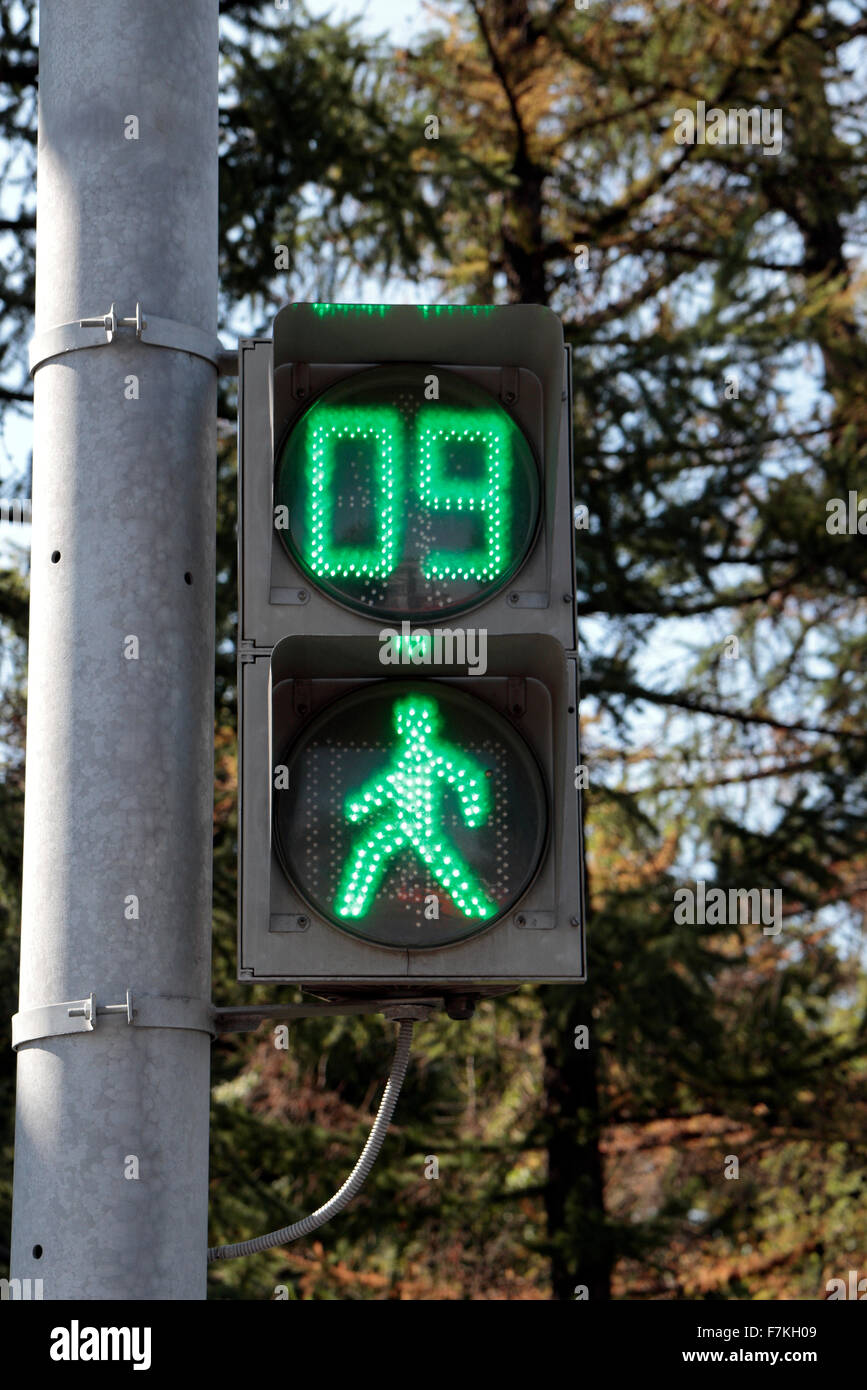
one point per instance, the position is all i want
(408, 685)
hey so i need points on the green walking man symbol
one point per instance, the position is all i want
(401, 805)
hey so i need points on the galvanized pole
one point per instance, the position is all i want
(111, 1160)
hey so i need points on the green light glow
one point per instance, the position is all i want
(381, 426)
(402, 810)
(324, 309)
(476, 310)
(486, 497)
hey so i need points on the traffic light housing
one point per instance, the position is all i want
(408, 681)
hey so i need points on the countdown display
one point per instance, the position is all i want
(414, 816)
(406, 491)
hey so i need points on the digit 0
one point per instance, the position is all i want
(377, 425)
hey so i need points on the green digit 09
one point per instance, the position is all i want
(485, 497)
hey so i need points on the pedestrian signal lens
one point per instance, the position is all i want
(404, 491)
(414, 816)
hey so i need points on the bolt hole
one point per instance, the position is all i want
(37, 1252)
(516, 709)
(188, 578)
(571, 709)
(55, 556)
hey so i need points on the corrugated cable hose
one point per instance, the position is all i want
(357, 1177)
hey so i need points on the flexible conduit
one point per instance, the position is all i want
(357, 1177)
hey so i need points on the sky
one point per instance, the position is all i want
(399, 19)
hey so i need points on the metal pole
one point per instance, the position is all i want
(111, 1161)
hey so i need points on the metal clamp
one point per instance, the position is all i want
(81, 1016)
(102, 330)
(199, 1015)
(89, 1010)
